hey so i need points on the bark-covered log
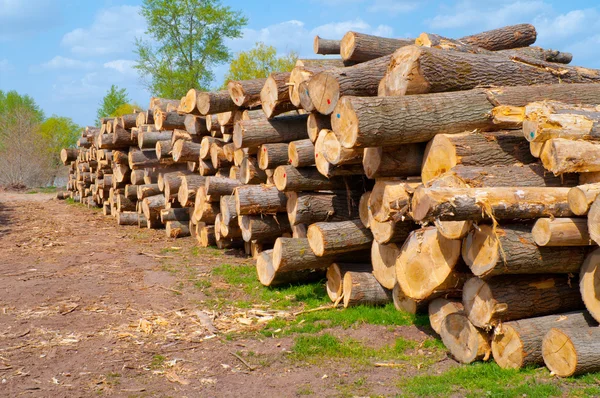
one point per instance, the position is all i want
(439, 309)
(186, 195)
(263, 228)
(186, 151)
(220, 186)
(259, 199)
(369, 121)
(391, 231)
(315, 123)
(309, 207)
(404, 161)
(529, 175)
(211, 103)
(327, 238)
(246, 93)
(170, 121)
(420, 70)
(511, 297)
(512, 36)
(302, 73)
(289, 178)
(326, 46)
(360, 47)
(175, 214)
(164, 150)
(511, 249)
(551, 119)
(427, 264)
(127, 218)
(572, 351)
(390, 200)
(195, 125)
(275, 95)
(561, 232)
(361, 288)
(501, 203)
(301, 153)
(250, 173)
(148, 140)
(560, 155)
(465, 342)
(517, 344)
(255, 132)
(68, 155)
(142, 159)
(273, 155)
(326, 88)
(304, 95)
(328, 169)
(269, 277)
(177, 229)
(335, 277)
(580, 198)
(152, 205)
(498, 148)
(335, 154)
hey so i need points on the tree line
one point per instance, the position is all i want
(186, 39)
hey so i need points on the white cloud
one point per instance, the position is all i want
(20, 18)
(60, 62)
(124, 66)
(113, 32)
(567, 25)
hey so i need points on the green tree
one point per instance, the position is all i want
(58, 132)
(125, 109)
(258, 62)
(13, 109)
(187, 41)
(113, 99)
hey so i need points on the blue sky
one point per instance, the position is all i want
(67, 53)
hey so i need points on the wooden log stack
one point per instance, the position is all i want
(469, 193)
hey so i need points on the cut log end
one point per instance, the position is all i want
(559, 353)
(326, 89)
(481, 250)
(507, 348)
(465, 342)
(439, 309)
(478, 301)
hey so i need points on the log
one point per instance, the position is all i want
(275, 95)
(328, 169)
(513, 36)
(498, 148)
(326, 46)
(68, 155)
(175, 214)
(127, 218)
(361, 288)
(552, 119)
(122, 138)
(315, 123)
(148, 140)
(152, 205)
(186, 195)
(335, 277)
(327, 238)
(170, 121)
(268, 276)
(304, 95)
(360, 47)
(259, 199)
(272, 155)
(465, 342)
(439, 309)
(518, 344)
(295, 254)
(560, 155)
(369, 121)
(206, 144)
(142, 159)
(218, 157)
(383, 258)
(211, 103)
(246, 93)
(501, 203)
(406, 304)
(390, 200)
(308, 207)
(289, 178)
(168, 175)
(326, 88)
(164, 150)
(186, 151)
(404, 162)
(263, 228)
(255, 132)
(364, 212)
(511, 249)
(529, 175)
(302, 73)
(206, 234)
(301, 153)
(177, 229)
(571, 351)
(427, 263)
(420, 70)
(228, 210)
(250, 173)
(299, 231)
(580, 198)
(561, 232)
(501, 298)
(334, 153)
(219, 186)
(195, 125)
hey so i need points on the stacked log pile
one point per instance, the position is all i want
(466, 192)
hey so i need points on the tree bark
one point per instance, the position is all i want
(273, 155)
(560, 155)
(263, 228)
(498, 148)
(145, 190)
(404, 161)
(325, 46)
(301, 153)
(289, 178)
(268, 276)
(127, 218)
(369, 121)
(210, 103)
(175, 214)
(148, 140)
(170, 121)
(529, 175)
(152, 205)
(501, 203)
(195, 125)
(420, 70)
(259, 199)
(511, 297)
(572, 351)
(327, 238)
(185, 151)
(164, 150)
(250, 173)
(511, 249)
(309, 207)
(561, 232)
(360, 47)
(143, 159)
(513, 36)
(246, 93)
(361, 288)
(326, 88)
(465, 342)
(426, 264)
(249, 133)
(518, 344)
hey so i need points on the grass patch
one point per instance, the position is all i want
(43, 190)
(349, 317)
(157, 361)
(480, 379)
(197, 251)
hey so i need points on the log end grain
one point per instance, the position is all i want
(560, 355)
(464, 341)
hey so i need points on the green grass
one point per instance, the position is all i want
(157, 361)
(43, 190)
(480, 379)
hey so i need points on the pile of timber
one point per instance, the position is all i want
(457, 177)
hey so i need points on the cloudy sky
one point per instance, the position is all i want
(67, 53)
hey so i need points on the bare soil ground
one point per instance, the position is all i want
(89, 308)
